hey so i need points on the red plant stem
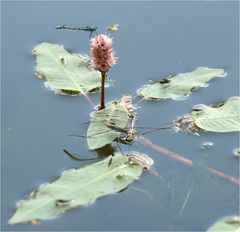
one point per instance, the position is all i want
(224, 176)
(102, 97)
(185, 161)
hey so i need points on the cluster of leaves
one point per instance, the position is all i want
(71, 74)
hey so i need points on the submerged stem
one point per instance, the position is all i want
(102, 97)
(186, 161)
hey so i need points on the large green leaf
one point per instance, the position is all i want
(180, 85)
(224, 118)
(64, 71)
(227, 224)
(78, 187)
(98, 133)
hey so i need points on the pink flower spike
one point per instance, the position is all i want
(103, 56)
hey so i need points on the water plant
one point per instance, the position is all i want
(71, 74)
(103, 58)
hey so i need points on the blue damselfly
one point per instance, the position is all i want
(86, 28)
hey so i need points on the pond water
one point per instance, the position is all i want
(155, 39)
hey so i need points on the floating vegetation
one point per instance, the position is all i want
(180, 86)
(224, 117)
(99, 134)
(103, 58)
(78, 187)
(72, 74)
(236, 152)
(65, 73)
(227, 224)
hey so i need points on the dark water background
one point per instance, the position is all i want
(155, 39)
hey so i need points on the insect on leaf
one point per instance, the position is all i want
(227, 224)
(98, 133)
(65, 73)
(78, 187)
(181, 85)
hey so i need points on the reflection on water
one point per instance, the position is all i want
(155, 39)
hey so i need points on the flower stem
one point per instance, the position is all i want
(102, 97)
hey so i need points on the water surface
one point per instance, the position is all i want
(155, 39)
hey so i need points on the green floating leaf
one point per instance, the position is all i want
(98, 133)
(223, 118)
(236, 152)
(65, 73)
(181, 85)
(227, 224)
(78, 187)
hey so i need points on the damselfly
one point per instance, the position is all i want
(125, 135)
(86, 28)
(130, 133)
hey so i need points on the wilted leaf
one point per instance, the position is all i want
(180, 85)
(66, 73)
(78, 187)
(98, 133)
(227, 224)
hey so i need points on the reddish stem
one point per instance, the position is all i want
(102, 97)
(185, 161)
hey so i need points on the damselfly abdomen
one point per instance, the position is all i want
(86, 28)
